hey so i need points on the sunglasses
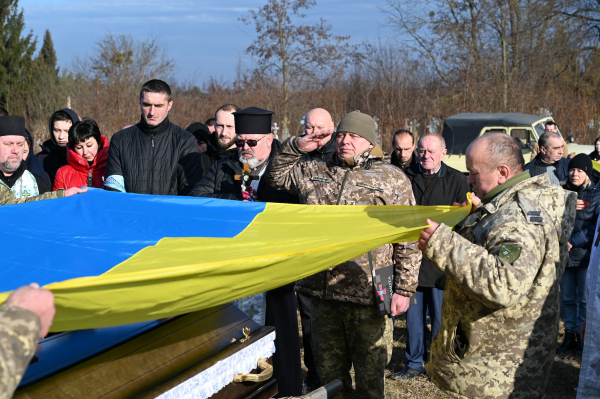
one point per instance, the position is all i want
(251, 143)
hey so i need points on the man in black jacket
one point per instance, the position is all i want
(155, 156)
(54, 150)
(319, 120)
(433, 183)
(228, 179)
(403, 156)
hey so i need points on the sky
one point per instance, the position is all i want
(205, 38)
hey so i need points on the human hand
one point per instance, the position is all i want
(311, 142)
(75, 190)
(581, 204)
(400, 304)
(38, 300)
(570, 245)
(426, 234)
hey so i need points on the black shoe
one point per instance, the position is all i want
(579, 345)
(312, 383)
(407, 374)
(569, 343)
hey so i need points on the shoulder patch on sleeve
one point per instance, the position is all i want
(509, 253)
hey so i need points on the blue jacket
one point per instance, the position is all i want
(585, 222)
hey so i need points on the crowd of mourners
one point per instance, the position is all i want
(487, 294)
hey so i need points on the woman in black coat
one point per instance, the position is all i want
(583, 180)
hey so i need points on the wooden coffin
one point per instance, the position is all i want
(157, 359)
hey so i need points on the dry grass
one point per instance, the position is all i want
(561, 385)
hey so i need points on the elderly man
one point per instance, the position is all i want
(500, 314)
(319, 120)
(403, 156)
(154, 156)
(18, 185)
(551, 127)
(550, 159)
(346, 328)
(13, 169)
(241, 177)
(433, 183)
(25, 318)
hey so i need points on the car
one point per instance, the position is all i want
(460, 130)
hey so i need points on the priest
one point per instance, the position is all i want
(239, 177)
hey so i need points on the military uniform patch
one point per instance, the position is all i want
(509, 253)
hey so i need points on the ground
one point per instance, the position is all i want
(562, 383)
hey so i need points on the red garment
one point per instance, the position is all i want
(75, 174)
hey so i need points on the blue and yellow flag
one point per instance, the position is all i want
(114, 258)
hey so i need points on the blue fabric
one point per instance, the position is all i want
(416, 324)
(32, 232)
(573, 302)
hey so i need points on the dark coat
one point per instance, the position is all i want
(53, 157)
(585, 222)
(220, 182)
(160, 160)
(448, 187)
(281, 302)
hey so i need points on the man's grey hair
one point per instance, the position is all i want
(544, 140)
(502, 149)
(437, 136)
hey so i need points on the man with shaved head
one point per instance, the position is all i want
(433, 183)
(500, 313)
(315, 121)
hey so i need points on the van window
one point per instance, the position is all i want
(494, 130)
(523, 136)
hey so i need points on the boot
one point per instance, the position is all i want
(578, 344)
(569, 343)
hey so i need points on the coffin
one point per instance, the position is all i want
(195, 355)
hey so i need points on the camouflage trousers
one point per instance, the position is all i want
(346, 334)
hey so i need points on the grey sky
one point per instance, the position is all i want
(204, 37)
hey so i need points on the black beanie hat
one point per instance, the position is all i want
(582, 162)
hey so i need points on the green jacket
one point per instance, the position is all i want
(8, 198)
(368, 181)
(501, 305)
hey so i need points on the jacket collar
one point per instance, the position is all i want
(154, 130)
(415, 170)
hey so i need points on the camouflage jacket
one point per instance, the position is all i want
(500, 312)
(368, 181)
(19, 335)
(8, 198)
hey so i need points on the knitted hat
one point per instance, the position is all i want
(363, 125)
(582, 162)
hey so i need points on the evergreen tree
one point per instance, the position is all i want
(16, 53)
(47, 54)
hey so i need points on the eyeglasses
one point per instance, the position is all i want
(251, 143)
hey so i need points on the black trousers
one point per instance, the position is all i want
(305, 315)
(282, 314)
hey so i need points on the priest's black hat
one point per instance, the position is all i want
(252, 120)
(12, 126)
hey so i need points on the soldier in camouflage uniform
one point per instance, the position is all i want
(346, 330)
(24, 318)
(500, 313)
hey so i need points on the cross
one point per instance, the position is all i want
(275, 129)
(381, 291)
(245, 176)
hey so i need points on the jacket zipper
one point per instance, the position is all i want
(337, 203)
(152, 166)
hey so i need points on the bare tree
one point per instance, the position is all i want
(296, 52)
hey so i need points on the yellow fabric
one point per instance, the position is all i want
(596, 166)
(283, 244)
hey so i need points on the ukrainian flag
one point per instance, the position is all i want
(114, 258)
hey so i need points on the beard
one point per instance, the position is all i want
(252, 162)
(9, 166)
(225, 145)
